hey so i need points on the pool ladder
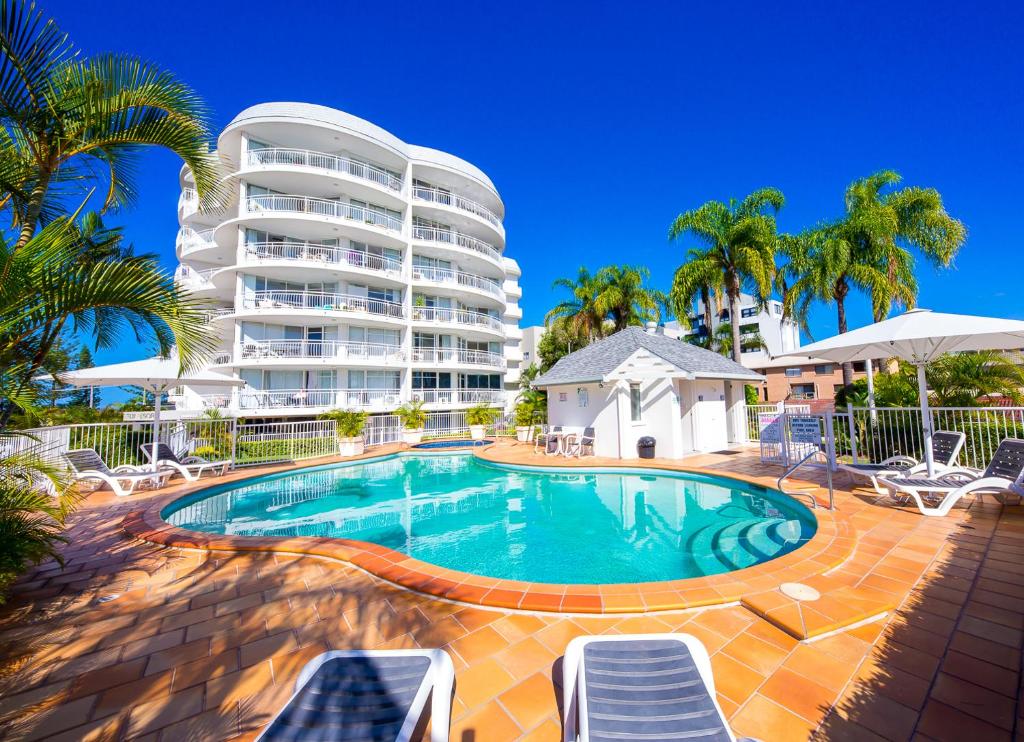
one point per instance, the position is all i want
(808, 495)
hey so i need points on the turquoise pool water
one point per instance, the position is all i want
(515, 523)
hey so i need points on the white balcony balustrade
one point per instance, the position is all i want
(192, 279)
(457, 357)
(463, 317)
(458, 239)
(459, 396)
(437, 196)
(324, 207)
(275, 398)
(458, 278)
(323, 302)
(324, 161)
(334, 350)
(326, 254)
(189, 240)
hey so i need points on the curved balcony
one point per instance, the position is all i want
(318, 301)
(328, 256)
(463, 317)
(457, 357)
(278, 156)
(190, 240)
(458, 279)
(444, 198)
(323, 207)
(333, 351)
(194, 280)
(459, 396)
(188, 202)
(449, 237)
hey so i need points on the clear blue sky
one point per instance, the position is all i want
(599, 122)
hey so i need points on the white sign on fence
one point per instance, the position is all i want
(769, 425)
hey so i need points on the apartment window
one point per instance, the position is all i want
(860, 366)
(431, 380)
(634, 402)
(802, 391)
(748, 312)
(526, 355)
(794, 371)
(823, 369)
(480, 381)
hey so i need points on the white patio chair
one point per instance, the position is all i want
(190, 467)
(946, 446)
(88, 465)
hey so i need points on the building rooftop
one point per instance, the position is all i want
(599, 359)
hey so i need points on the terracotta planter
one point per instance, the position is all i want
(477, 432)
(412, 437)
(351, 446)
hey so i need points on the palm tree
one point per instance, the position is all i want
(869, 249)
(961, 379)
(739, 251)
(582, 311)
(65, 119)
(623, 296)
(79, 275)
(705, 289)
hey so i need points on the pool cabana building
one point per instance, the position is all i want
(639, 383)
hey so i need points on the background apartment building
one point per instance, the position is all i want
(349, 270)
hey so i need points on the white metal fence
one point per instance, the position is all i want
(754, 412)
(245, 444)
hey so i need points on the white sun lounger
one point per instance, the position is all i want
(654, 687)
(190, 467)
(1005, 473)
(946, 447)
(86, 465)
(368, 695)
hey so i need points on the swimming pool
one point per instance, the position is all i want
(519, 523)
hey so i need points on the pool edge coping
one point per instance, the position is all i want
(831, 545)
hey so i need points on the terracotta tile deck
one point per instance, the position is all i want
(207, 644)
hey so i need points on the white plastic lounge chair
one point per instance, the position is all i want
(655, 687)
(1005, 473)
(190, 467)
(579, 444)
(86, 464)
(946, 447)
(546, 437)
(368, 695)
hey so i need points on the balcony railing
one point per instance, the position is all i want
(335, 350)
(190, 240)
(457, 316)
(451, 237)
(322, 301)
(457, 356)
(458, 278)
(437, 196)
(324, 161)
(329, 254)
(459, 396)
(322, 207)
(192, 279)
(268, 398)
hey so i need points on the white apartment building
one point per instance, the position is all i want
(349, 270)
(780, 335)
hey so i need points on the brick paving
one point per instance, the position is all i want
(207, 645)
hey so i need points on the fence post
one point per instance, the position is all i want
(234, 442)
(853, 432)
(830, 440)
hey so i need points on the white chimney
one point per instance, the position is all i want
(652, 328)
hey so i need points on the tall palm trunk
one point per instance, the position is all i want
(709, 317)
(734, 318)
(841, 290)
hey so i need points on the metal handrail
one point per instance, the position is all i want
(446, 198)
(322, 207)
(324, 161)
(808, 495)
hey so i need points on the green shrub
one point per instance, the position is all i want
(481, 414)
(412, 415)
(350, 423)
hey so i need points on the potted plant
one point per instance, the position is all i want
(478, 418)
(350, 425)
(418, 303)
(413, 418)
(524, 421)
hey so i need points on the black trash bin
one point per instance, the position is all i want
(645, 447)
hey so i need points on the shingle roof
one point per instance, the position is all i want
(599, 359)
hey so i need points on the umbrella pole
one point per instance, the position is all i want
(156, 427)
(871, 391)
(926, 419)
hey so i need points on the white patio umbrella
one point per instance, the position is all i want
(155, 375)
(919, 336)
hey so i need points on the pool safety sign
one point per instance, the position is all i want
(786, 438)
